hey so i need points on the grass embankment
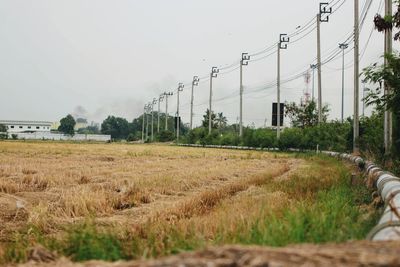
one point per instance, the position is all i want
(315, 204)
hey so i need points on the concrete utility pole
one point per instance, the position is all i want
(319, 68)
(152, 118)
(213, 74)
(313, 67)
(356, 76)
(178, 121)
(388, 50)
(195, 82)
(243, 62)
(144, 114)
(323, 10)
(147, 121)
(166, 109)
(363, 100)
(343, 46)
(282, 44)
(160, 98)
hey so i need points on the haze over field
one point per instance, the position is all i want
(105, 57)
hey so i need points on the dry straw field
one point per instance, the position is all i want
(158, 199)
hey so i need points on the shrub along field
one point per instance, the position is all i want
(122, 201)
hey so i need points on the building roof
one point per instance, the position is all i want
(8, 122)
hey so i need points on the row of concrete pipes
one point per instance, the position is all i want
(386, 184)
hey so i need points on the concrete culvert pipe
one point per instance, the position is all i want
(388, 227)
(390, 189)
(383, 180)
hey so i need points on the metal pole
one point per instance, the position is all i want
(210, 107)
(319, 68)
(278, 119)
(356, 76)
(388, 50)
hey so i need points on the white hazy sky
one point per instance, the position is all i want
(101, 57)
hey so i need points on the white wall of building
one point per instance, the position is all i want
(57, 136)
(26, 126)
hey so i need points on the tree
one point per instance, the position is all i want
(3, 128)
(67, 125)
(205, 122)
(3, 132)
(388, 74)
(305, 115)
(386, 23)
(117, 127)
(89, 130)
(221, 120)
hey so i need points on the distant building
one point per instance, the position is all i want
(26, 126)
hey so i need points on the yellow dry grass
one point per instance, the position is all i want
(50, 184)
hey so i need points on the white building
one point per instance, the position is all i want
(26, 126)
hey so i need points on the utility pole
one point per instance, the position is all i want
(178, 121)
(243, 62)
(363, 108)
(282, 44)
(313, 67)
(152, 119)
(343, 46)
(144, 114)
(147, 121)
(195, 82)
(213, 74)
(388, 50)
(160, 98)
(356, 76)
(166, 109)
(323, 10)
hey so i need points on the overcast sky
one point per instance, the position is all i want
(100, 57)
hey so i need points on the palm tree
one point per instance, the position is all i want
(206, 118)
(221, 120)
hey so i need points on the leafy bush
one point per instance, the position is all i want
(165, 136)
(132, 137)
(3, 136)
(291, 138)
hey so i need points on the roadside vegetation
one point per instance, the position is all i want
(134, 201)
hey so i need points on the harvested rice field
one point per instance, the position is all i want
(77, 202)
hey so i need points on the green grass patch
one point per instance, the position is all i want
(86, 242)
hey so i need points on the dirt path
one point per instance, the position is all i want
(360, 253)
